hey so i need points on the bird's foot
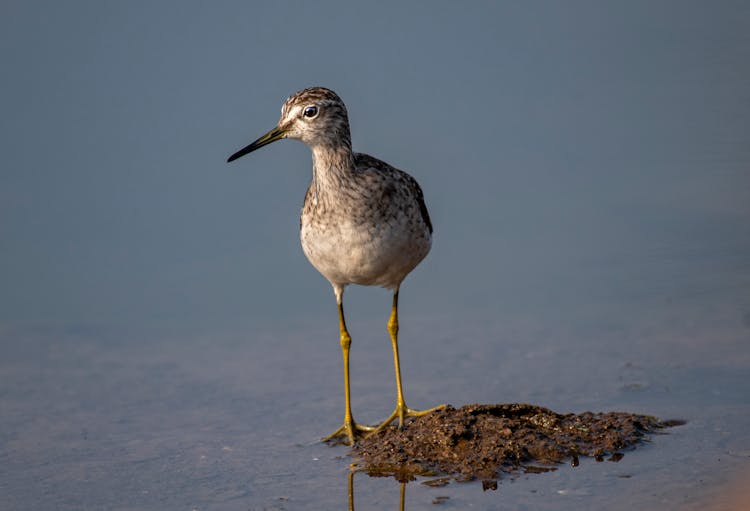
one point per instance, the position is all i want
(401, 412)
(349, 432)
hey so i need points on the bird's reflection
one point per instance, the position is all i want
(350, 483)
(487, 484)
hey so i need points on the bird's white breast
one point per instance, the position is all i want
(346, 252)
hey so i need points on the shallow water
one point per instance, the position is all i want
(218, 422)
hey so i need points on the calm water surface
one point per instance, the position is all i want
(219, 422)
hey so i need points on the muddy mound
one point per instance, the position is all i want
(485, 441)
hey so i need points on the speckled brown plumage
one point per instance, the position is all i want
(365, 224)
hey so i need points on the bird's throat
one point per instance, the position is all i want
(332, 170)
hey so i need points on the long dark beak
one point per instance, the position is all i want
(272, 136)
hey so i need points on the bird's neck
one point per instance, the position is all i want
(333, 167)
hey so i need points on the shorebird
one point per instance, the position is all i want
(362, 222)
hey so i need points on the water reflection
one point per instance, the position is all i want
(436, 499)
(350, 492)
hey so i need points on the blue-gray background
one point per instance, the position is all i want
(565, 149)
(586, 165)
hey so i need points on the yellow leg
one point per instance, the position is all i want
(350, 429)
(401, 411)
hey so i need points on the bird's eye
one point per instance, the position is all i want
(310, 112)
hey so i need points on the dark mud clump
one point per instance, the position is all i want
(485, 441)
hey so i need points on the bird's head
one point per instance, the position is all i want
(315, 116)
